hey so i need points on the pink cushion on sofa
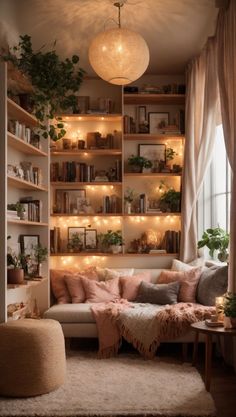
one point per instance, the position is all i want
(102, 291)
(188, 282)
(130, 285)
(58, 285)
(75, 286)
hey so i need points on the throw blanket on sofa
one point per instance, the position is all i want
(143, 325)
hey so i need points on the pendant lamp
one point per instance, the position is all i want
(119, 56)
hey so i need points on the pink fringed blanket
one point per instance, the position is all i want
(143, 325)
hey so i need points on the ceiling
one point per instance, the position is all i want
(175, 30)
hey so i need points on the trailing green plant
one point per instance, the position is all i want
(140, 161)
(216, 239)
(170, 154)
(112, 238)
(55, 83)
(170, 200)
(229, 305)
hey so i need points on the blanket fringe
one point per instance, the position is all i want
(149, 352)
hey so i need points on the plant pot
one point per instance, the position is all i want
(229, 322)
(115, 249)
(15, 276)
(223, 257)
(136, 169)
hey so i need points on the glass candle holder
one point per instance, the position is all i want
(219, 303)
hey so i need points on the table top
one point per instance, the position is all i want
(201, 327)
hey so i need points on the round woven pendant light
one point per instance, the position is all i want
(119, 55)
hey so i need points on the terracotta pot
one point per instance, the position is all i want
(15, 276)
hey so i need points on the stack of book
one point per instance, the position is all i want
(12, 215)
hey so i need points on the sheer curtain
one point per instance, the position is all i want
(201, 119)
(226, 57)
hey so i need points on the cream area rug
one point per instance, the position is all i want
(126, 385)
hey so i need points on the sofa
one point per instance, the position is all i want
(78, 321)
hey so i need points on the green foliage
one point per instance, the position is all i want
(171, 200)
(75, 242)
(215, 239)
(139, 161)
(55, 82)
(112, 238)
(19, 207)
(170, 154)
(19, 261)
(229, 306)
(40, 253)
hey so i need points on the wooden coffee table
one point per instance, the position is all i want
(201, 327)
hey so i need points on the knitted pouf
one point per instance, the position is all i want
(32, 357)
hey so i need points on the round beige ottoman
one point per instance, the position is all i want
(32, 357)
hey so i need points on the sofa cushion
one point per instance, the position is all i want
(158, 293)
(58, 285)
(130, 285)
(75, 286)
(188, 282)
(98, 292)
(182, 266)
(104, 274)
(70, 313)
(213, 283)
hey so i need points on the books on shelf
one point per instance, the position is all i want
(171, 241)
(33, 209)
(55, 240)
(12, 215)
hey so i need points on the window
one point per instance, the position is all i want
(214, 198)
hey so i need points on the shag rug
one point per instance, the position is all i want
(126, 385)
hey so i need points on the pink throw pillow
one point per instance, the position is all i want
(58, 285)
(102, 291)
(188, 282)
(130, 285)
(75, 286)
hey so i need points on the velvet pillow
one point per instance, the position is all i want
(130, 285)
(213, 283)
(101, 291)
(158, 293)
(58, 285)
(75, 286)
(188, 283)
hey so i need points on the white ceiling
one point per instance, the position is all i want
(175, 30)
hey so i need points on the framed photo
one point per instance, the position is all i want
(157, 122)
(70, 201)
(27, 246)
(91, 239)
(80, 231)
(152, 151)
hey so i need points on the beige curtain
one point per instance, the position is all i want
(226, 56)
(201, 120)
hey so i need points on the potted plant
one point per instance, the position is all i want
(229, 309)
(170, 201)
(170, 154)
(216, 239)
(40, 256)
(17, 266)
(112, 240)
(19, 208)
(137, 163)
(54, 82)
(75, 244)
(129, 198)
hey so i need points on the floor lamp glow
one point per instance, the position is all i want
(119, 55)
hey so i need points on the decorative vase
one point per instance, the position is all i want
(128, 207)
(115, 249)
(15, 276)
(223, 256)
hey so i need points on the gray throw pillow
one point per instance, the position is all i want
(158, 293)
(213, 283)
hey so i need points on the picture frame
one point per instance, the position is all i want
(70, 201)
(27, 245)
(157, 121)
(90, 239)
(155, 152)
(80, 231)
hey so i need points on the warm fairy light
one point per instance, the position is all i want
(104, 187)
(102, 118)
(79, 118)
(111, 187)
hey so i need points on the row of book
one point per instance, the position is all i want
(171, 241)
(73, 171)
(55, 240)
(31, 173)
(33, 209)
(111, 204)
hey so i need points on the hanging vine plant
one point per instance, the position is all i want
(55, 83)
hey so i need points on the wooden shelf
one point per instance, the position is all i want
(74, 184)
(112, 254)
(26, 283)
(16, 112)
(24, 147)
(149, 136)
(24, 185)
(26, 223)
(157, 214)
(87, 215)
(154, 99)
(151, 174)
(85, 152)
(90, 117)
